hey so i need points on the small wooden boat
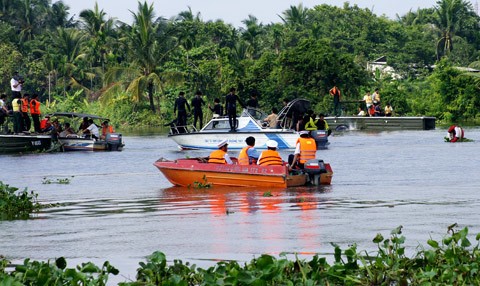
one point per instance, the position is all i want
(75, 142)
(10, 143)
(187, 172)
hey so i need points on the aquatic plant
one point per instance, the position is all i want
(17, 204)
(202, 185)
(450, 261)
(46, 273)
(61, 181)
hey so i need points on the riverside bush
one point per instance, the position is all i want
(451, 261)
(14, 205)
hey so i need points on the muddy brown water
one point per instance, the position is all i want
(119, 207)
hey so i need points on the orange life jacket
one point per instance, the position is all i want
(243, 156)
(35, 106)
(24, 105)
(44, 124)
(308, 149)
(106, 130)
(269, 158)
(217, 157)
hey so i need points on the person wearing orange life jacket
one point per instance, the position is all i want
(270, 157)
(305, 149)
(25, 106)
(106, 129)
(220, 156)
(35, 112)
(248, 155)
(45, 124)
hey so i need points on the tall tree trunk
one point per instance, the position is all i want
(150, 96)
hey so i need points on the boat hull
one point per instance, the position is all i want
(187, 172)
(81, 144)
(24, 143)
(382, 123)
(236, 140)
(88, 144)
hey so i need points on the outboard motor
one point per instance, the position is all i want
(114, 141)
(321, 138)
(315, 168)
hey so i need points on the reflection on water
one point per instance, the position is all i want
(118, 206)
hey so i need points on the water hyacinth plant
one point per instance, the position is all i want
(451, 261)
(16, 204)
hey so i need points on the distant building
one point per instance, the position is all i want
(380, 64)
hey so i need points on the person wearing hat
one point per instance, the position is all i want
(270, 157)
(248, 155)
(305, 149)
(220, 156)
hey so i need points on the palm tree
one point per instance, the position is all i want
(59, 16)
(251, 34)
(449, 18)
(295, 16)
(69, 46)
(99, 29)
(148, 46)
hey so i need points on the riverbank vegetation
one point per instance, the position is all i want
(15, 204)
(132, 72)
(453, 260)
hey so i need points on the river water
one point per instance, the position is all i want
(119, 207)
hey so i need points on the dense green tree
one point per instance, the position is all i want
(450, 16)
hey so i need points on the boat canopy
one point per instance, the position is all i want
(293, 111)
(76, 115)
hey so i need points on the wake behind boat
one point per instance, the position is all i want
(187, 172)
(249, 124)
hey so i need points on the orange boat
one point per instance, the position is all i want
(187, 172)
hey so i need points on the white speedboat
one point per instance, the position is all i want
(249, 123)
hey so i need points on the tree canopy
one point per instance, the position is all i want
(143, 65)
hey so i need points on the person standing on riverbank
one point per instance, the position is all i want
(335, 92)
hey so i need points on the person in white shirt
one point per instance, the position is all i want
(92, 129)
(361, 112)
(16, 84)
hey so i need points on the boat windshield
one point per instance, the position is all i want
(217, 124)
(256, 113)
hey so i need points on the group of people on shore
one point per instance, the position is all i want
(22, 107)
(305, 150)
